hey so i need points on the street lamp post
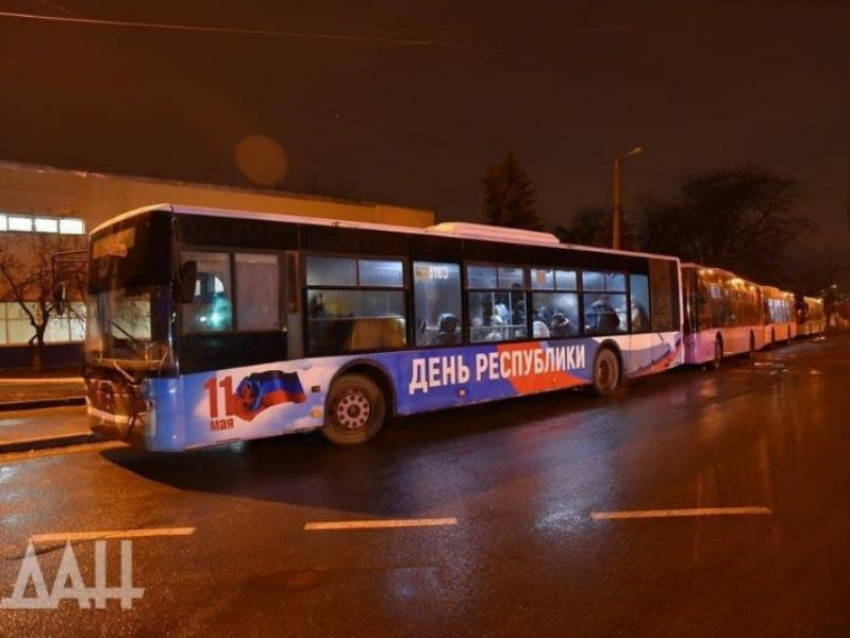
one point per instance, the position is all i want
(618, 211)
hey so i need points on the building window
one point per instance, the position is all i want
(16, 329)
(437, 293)
(20, 224)
(46, 225)
(72, 226)
(258, 292)
(211, 310)
(28, 224)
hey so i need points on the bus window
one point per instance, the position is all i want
(496, 316)
(211, 310)
(566, 280)
(258, 292)
(542, 279)
(605, 314)
(355, 319)
(480, 277)
(331, 271)
(640, 303)
(436, 289)
(498, 312)
(381, 273)
(664, 287)
(554, 315)
(603, 281)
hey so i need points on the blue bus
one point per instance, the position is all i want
(208, 326)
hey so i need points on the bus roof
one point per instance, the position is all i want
(458, 230)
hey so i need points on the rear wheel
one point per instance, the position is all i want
(606, 372)
(718, 354)
(356, 410)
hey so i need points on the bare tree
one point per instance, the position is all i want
(26, 270)
(592, 226)
(744, 218)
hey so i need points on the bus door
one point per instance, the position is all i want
(293, 325)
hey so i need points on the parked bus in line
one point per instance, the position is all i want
(780, 315)
(724, 315)
(811, 316)
(211, 326)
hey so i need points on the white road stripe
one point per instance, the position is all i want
(128, 533)
(701, 511)
(404, 522)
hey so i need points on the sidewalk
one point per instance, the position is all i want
(25, 430)
(23, 390)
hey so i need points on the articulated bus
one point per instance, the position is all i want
(724, 315)
(210, 326)
(811, 316)
(780, 315)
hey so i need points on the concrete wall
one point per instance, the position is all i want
(96, 197)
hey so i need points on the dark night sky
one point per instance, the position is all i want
(566, 84)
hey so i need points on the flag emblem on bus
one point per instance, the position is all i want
(263, 390)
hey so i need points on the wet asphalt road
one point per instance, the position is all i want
(522, 479)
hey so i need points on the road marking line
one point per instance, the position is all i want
(128, 533)
(702, 511)
(409, 522)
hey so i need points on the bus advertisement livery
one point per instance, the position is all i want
(209, 326)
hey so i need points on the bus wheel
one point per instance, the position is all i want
(356, 410)
(718, 354)
(606, 372)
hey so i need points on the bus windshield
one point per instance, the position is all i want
(129, 298)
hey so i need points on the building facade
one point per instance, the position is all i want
(64, 205)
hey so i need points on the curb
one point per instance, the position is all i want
(48, 442)
(35, 404)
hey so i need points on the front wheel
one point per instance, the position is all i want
(356, 410)
(606, 372)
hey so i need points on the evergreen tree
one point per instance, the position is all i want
(509, 196)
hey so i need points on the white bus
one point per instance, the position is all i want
(724, 315)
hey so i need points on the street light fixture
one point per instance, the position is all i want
(618, 212)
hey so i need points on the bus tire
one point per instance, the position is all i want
(606, 372)
(717, 361)
(356, 410)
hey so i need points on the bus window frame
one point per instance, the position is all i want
(231, 253)
(578, 291)
(406, 290)
(465, 290)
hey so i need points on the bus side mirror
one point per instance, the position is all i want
(188, 281)
(60, 299)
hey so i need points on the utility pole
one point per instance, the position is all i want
(618, 208)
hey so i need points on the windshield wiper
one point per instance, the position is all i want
(133, 340)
